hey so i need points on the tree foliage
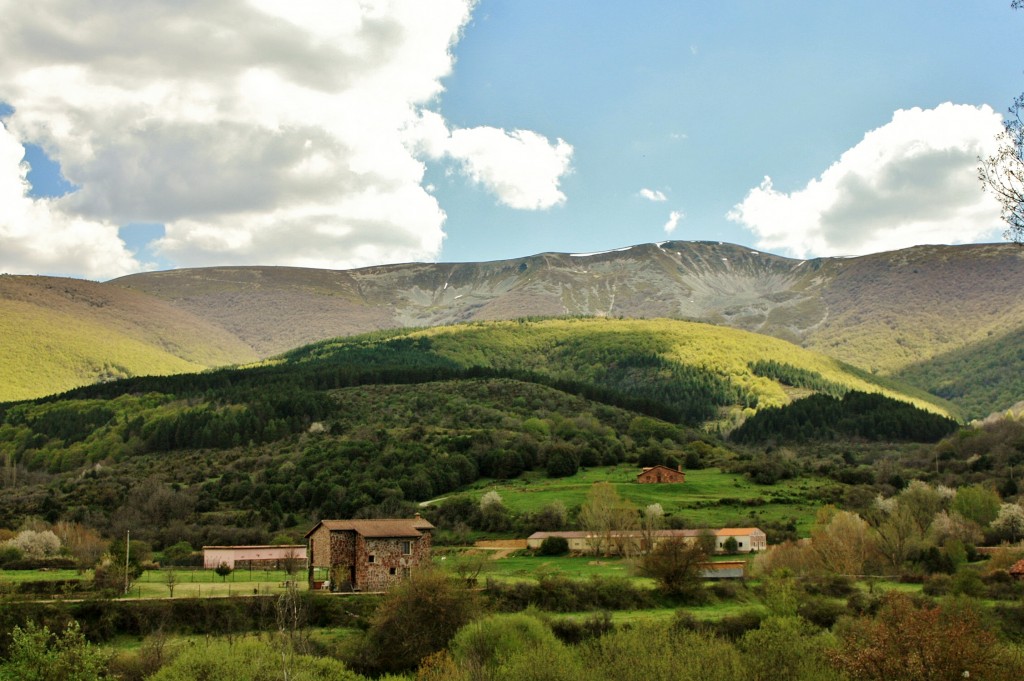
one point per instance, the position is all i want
(676, 565)
(37, 654)
(870, 416)
(914, 642)
(417, 618)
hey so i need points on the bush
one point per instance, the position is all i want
(820, 612)
(250, 660)
(417, 618)
(573, 632)
(734, 626)
(554, 546)
(937, 585)
(561, 594)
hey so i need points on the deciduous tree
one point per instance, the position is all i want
(921, 643)
(607, 518)
(676, 563)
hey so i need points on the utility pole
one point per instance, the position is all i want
(127, 553)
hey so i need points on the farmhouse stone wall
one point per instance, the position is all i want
(374, 562)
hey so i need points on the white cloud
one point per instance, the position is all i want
(256, 131)
(911, 181)
(37, 235)
(653, 194)
(673, 221)
(522, 168)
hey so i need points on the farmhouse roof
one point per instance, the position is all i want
(401, 527)
(736, 531)
(1017, 568)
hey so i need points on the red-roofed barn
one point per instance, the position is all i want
(366, 555)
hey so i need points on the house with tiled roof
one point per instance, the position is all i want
(1017, 569)
(366, 555)
(659, 474)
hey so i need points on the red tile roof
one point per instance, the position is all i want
(1017, 568)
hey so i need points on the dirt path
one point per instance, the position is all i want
(501, 548)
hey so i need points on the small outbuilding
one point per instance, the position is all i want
(281, 557)
(366, 555)
(659, 473)
(1017, 569)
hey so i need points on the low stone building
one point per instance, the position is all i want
(366, 555)
(659, 473)
(748, 539)
(281, 557)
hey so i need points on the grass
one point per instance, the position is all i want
(207, 584)
(699, 501)
(192, 583)
(523, 567)
(17, 576)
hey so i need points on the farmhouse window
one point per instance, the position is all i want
(392, 571)
(370, 559)
(407, 548)
(740, 544)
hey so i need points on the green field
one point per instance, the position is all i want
(190, 583)
(708, 498)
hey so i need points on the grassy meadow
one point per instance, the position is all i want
(708, 498)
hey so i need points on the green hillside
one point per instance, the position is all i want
(47, 352)
(377, 423)
(707, 372)
(980, 379)
(61, 333)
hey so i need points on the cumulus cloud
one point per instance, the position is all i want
(256, 131)
(38, 235)
(653, 195)
(673, 221)
(522, 168)
(911, 181)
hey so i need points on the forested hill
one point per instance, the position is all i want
(369, 422)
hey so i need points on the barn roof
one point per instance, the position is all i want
(736, 531)
(1017, 568)
(392, 527)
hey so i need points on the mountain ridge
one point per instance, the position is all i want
(882, 312)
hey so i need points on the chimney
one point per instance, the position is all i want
(680, 468)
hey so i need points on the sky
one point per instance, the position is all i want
(340, 134)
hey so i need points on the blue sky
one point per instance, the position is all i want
(701, 103)
(320, 134)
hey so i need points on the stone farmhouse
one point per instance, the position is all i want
(748, 539)
(659, 473)
(279, 557)
(366, 555)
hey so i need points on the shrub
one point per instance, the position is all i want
(417, 618)
(820, 612)
(937, 585)
(36, 654)
(250, 660)
(554, 546)
(921, 643)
